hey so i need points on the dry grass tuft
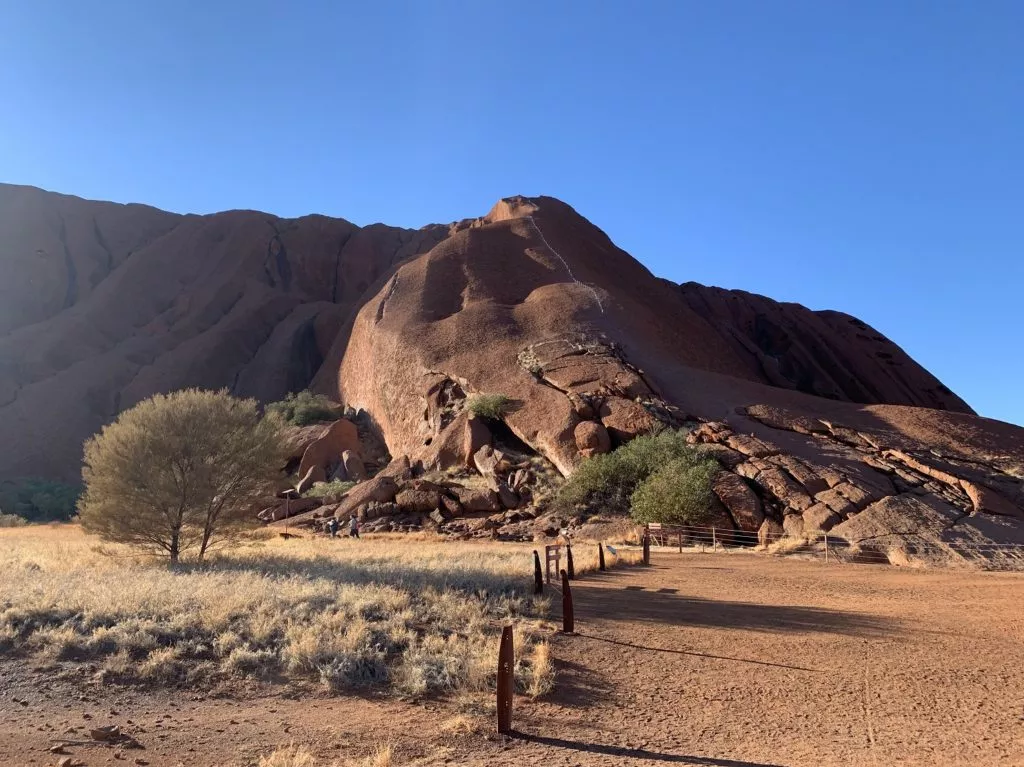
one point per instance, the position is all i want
(542, 671)
(298, 756)
(292, 756)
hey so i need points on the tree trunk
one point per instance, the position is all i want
(174, 547)
(207, 534)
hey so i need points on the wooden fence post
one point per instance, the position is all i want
(600, 557)
(568, 562)
(714, 540)
(568, 619)
(826, 548)
(506, 680)
(647, 546)
(538, 575)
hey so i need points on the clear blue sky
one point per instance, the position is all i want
(863, 156)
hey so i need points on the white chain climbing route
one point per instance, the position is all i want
(566, 265)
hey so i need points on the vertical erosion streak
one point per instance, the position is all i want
(568, 271)
(71, 294)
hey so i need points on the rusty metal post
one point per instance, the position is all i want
(568, 619)
(647, 546)
(680, 541)
(538, 574)
(600, 557)
(506, 681)
(568, 562)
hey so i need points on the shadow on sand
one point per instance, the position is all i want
(637, 753)
(604, 599)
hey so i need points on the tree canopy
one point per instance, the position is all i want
(180, 472)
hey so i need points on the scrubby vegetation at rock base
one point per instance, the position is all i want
(615, 483)
(305, 408)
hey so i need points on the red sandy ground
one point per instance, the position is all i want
(728, 660)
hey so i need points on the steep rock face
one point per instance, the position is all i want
(812, 409)
(102, 305)
(533, 302)
(828, 354)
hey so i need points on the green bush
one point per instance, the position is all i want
(606, 483)
(35, 499)
(305, 408)
(493, 406)
(678, 493)
(334, 488)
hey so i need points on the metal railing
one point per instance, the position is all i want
(887, 549)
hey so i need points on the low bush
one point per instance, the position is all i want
(306, 408)
(333, 489)
(11, 520)
(679, 493)
(35, 499)
(493, 406)
(606, 483)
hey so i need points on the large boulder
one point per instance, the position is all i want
(743, 504)
(341, 436)
(625, 419)
(477, 499)
(989, 501)
(901, 515)
(418, 501)
(789, 492)
(355, 471)
(457, 443)
(592, 438)
(820, 517)
(381, 488)
(509, 498)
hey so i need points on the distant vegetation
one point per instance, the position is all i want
(34, 499)
(494, 406)
(334, 488)
(657, 478)
(179, 472)
(306, 408)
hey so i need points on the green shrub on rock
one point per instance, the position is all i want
(678, 493)
(306, 408)
(606, 483)
(494, 406)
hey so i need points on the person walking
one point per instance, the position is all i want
(332, 527)
(353, 527)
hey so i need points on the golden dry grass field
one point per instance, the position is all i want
(729, 660)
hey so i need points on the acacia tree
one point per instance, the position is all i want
(179, 471)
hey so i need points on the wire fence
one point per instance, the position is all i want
(886, 549)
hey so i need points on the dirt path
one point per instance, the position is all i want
(739, 661)
(723, 660)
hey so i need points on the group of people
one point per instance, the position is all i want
(353, 527)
